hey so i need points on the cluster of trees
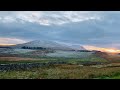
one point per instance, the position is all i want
(84, 50)
(25, 47)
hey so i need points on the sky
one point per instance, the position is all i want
(86, 28)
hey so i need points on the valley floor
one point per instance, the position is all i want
(72, 69)
(78, 65)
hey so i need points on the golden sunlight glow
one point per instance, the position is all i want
(10, 41)
(6, 44)
(109, 50)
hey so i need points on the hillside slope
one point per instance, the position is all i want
(48, 44)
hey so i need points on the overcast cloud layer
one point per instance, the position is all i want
(76, 27)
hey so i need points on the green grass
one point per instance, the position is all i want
(64, 72)
(50, 59)
(114, 75)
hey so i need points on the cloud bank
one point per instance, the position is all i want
(97, 28)
(47, 17)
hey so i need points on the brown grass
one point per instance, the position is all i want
(111, 57)
(16, 59)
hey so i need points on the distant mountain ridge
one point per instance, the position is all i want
(48, 44)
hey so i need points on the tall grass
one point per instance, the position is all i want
(63, 72)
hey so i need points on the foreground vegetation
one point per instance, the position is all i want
(87, 67)
(63, 72)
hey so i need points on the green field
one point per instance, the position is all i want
(55, 59)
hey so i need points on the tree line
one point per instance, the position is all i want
(26, 47)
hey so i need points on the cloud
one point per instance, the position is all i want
(48, 17)
(8, 19)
